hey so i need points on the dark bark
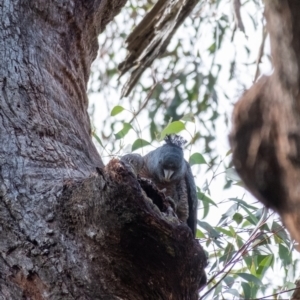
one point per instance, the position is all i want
(137, 250)
(266, 134)
(67, 230)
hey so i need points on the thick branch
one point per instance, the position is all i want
(265, 138)
(152, 36)
(123, 233)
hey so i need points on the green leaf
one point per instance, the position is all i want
(188, 118)
(226, 232)
(116, 110)
(251, 218)
(246, 223)
(285, 255)
(250, 278)
(206, 206)
(139, 143)
(229, 213)
(243, 203)
(172, 128)
(217, 242)
(240, 183)
(199, 234)
(265, 260)
(262, 239)
(218, 290)
(124, 131)
(202, 197)
(238, 218)
(248, 260)
(229, 280)
(264, 263)
(247, 290)
(232, 231)
(240, 243)
(228, 152)
(206, 201)
(153, 130)
(212, 47)
(98, 139)
(210, 230)
(229, 252)
(196, 159)
(279, 231)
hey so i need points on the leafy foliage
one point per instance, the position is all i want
(196, 158)
(190, 90)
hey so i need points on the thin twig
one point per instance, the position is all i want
(202, 297)
(260, 52)
(236, 5)
(276, 294)
(237, 256)
(145, 102)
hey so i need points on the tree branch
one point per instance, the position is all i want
(265, 137)
(123, 233)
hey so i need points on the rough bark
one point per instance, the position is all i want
(68, 231)
(131, 243)
(265, 137)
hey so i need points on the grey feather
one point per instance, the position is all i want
(135, 161)
(167, 168)
(192, 199)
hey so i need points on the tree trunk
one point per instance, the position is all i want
(70, 228)
(266, 122)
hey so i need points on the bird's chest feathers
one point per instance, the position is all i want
(169, 188)
(174, 189)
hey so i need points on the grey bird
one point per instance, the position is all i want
(171, 173)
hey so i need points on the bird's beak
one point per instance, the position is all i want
(168, 174)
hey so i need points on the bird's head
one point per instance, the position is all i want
(171, 163)
(168, 164)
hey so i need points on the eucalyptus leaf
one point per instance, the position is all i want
(196, 159)
(172, 128)
(247, 290)
(285, 255)
(139, 143)
(238, 218)
(250, 278)
(229, 280)
(225, 231)
(200, 234)
(229, 213)
(210, 230)
(188, 118)
(116, 110)
(204, 198)
(124, 131)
